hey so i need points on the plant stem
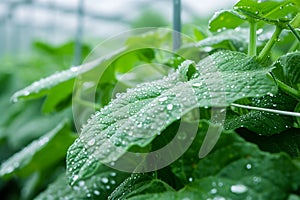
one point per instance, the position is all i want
(285, 88)
(266, 50)
(294, 32)
(252, 39)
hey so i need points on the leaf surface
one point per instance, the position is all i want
(148, 109)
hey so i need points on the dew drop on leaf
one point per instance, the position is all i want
(91, 142)
(96, 192)
(238, 189)
(162, 99)
(169, 107)
(248, 166)
(213, 191)
(104, 180)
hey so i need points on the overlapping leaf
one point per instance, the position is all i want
(225, 19)
(235, 169)
(40, 154)
(268, 11)
(288, 69)
(262, 122)
(139, 184)
(100, 186)
(59, 87)
(148, 109)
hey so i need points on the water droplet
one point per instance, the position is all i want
(91, 142)
(96, 192)
(248, 166)
(219, 198)
(190, 179)
(256, 179)
(81, 183)
(162, 99)
(197, 84)
(169, 107)
(75, 178)
(104, 180)
(113, 174)
(213, 191)
(238, 189)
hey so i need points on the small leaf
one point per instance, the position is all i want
(151, 107)
(40, 154)
(227, 19)
(288, 69)
(139, 184)
(59, 189)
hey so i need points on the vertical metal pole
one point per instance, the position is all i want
(176, 24)
(79, 32)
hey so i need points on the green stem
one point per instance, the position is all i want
(252, 39)
(285, 88)
(294, 32)
(266, 50)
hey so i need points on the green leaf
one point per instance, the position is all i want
(262, 122)
(139, 184)
(151, 107)
(287, 141)
(227, 19)
(100, 186)
(288, 69)
(40, 154)
(268, 11)
(231, 39)
(59, 87)
(237, 168)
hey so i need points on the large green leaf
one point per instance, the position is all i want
(40, 154)
(237, 170)
(148, 109)
(269, 11)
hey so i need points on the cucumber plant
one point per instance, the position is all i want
(246, 67)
